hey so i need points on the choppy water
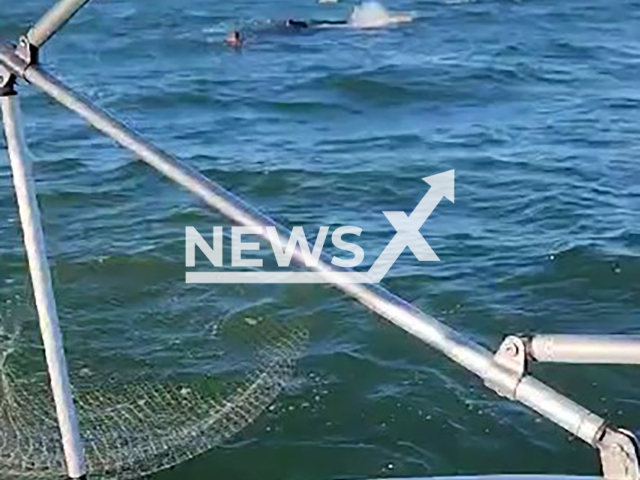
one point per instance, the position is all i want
(534, 104)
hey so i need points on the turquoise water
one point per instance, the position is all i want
(534, 104)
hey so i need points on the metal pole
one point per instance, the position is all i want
(614, 349)
(529, 391)
(43, 291)
(53, 20)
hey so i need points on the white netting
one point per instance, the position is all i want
(136, 428)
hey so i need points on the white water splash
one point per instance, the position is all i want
(372, 14)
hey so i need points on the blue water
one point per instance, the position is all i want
(534, 104)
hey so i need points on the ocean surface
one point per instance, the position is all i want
(534, 103)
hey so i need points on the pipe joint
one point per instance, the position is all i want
(12, 62)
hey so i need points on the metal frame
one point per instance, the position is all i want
(499, 372)
(42, 288)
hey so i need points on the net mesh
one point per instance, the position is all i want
(134, 428)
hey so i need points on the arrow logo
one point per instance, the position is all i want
(408, 227)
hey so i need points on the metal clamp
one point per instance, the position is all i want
(27, 51)
(511, 357)
(14, 62)
(619, 455)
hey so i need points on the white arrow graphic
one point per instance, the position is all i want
(408, 228)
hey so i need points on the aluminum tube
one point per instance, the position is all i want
(561, 410)
(603, 349)
(42, 288)
(397, 311)
(53, 20)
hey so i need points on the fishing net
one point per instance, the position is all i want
(134, 428)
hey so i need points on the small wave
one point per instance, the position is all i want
(372, 14)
